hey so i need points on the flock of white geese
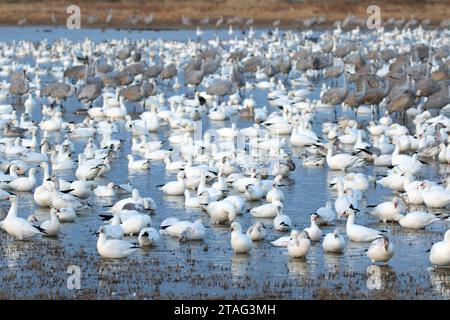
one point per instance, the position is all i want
(120, 86)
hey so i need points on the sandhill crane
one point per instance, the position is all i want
(22, 21)
(401, 103)
(58, 91)
(53, 17)
(89, 93)
(149, 19)
(336, 95)
(109, 18)
(439, 99)
(219, 22)
(220, 88)
(186, 21)
(355, 99)
(19, 83)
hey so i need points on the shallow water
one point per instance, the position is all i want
(209, 269)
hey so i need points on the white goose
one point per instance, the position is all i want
(240, 242)
(114, 248)
(24, 184)
(51, 227)
(179, 229)
(282, 222)
(105, 191)
(66, 215)
(440, 251)
(268, 210)
(175, 188)
(416, 219)
(284, 241)
(17, 226)
(385, 211)
(148, 237)
(359, 233)
(380, 250)
(221, 211)
(135, 223)
(314, 232)
(342, 161)
(326, 214)
(298, 246)
(333, 242)
(257, 232)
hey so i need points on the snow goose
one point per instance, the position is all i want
(342, 161)
(175, 188)
(416, 219)
(298, 246)
(344, 202)
(435, 197)
(17, 226)
(275, 194)
(359, 233)
(136, 165)
(314, 232)
(241, 243)
(268, 210)
(66, 215)
(51, 227)
(221, 211)
(385, 211)
(333, 242)
(380, 250)
(24, 184)
(440, 251)
(178, 229)
(105, 191)
(257, 232)
(114, 248)
(284, 241)
(326, 214)
(238, 203)
(114, 229)
(192, 202)
(135, 223)
(282, 222)
(132, 203)
(148, 237)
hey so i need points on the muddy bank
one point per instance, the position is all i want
(168, 13)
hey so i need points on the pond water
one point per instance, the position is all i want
(209, 268)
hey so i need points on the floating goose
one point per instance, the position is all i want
(440, 251)
(380, 250)
(359, 233)
(114, 248)
(241, 243)
(333, 242)
(19, 227)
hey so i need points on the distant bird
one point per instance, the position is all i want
(91, 19)
(134, 19)
(219, 22)
(109, 18)
(186, 21)
(22, 21)
(149, 19)
(19, 83)
(53, 17)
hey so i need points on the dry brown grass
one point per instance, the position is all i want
(168, 12)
